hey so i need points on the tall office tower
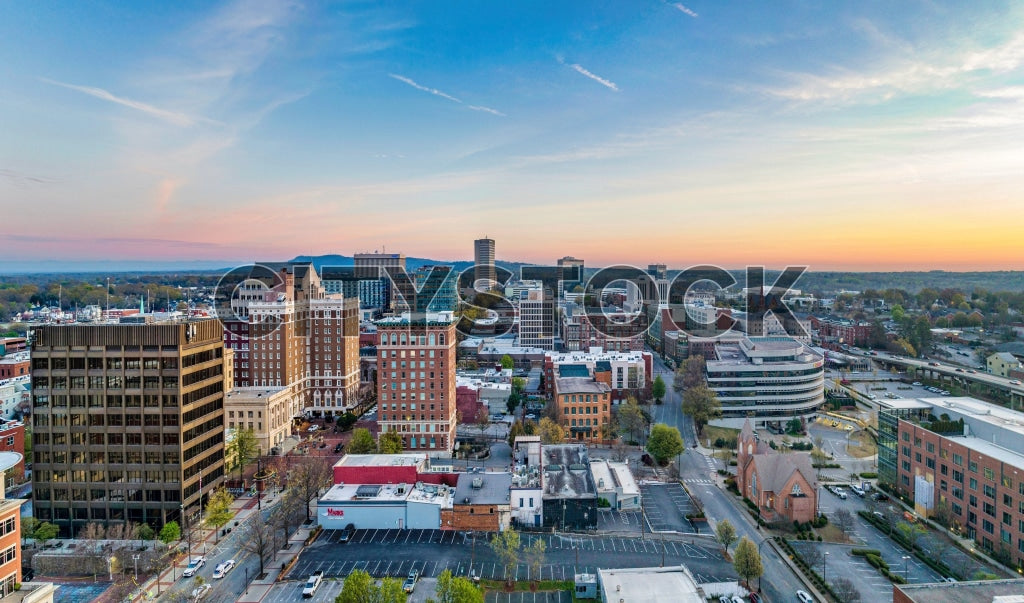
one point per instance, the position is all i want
(128, 422)
(568, 280)
(375, 286)
(536, 319)
(483, 257)
(416, 380)
(658, 271)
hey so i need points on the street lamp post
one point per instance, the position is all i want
(135, 558)
(906, 568)
(110, 568)
(824, 563)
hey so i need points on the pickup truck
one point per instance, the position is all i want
(312, 584)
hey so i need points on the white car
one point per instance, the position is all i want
(223, 568)
(313, 428)
(804, 597)
(201, 591)
(312, 584)
(193, 567)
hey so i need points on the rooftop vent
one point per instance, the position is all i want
(477, 483)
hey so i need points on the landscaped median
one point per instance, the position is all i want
(807, 570)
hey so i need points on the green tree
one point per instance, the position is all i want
(550, 431)
(170, 532)
(507, 362)
(701, 403)
(746, 560)
(453, 589)
(725, 534)
(241, 450)
(145, 532)
(514, 400)
(390, 442)
(29, 525)
(514, 432)
(218, 508)
(361, 442)
(506, 546)
(631, 418)
(44, 532)
(535, 557)
(898, 313)
(664, 443)
(357, 589)
(518, 384)
(346, 421)
(658, 389)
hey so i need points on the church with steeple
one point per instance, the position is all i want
(782, 485)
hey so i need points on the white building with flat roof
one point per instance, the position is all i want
(769, 379)
(649, 585)
(415, 506)
(616, 484)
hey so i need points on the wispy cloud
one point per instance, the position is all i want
(683, 9)
(486, 110)
(903, 77)
(22, 178)
(433, 91)
(600, 80)
(444, 95)
(173, 117)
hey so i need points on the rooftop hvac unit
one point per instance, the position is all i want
(477, 483)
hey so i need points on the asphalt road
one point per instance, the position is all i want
(698, 472)
(247, 565)
(395, 552)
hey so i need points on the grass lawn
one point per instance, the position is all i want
(861, 445)
(830, 533)
(713, 433)
(524, 585)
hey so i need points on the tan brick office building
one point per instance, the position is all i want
(127, 421)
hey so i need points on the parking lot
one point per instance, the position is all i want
(331, 588)
(868, 580)
(610, 520)
(666, 507)
(395, 552)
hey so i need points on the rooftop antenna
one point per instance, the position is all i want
(108, 298)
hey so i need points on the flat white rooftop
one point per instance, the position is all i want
(382, 460)
(650, 585)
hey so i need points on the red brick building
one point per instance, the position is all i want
(783, 486)
(12, 439)
(975, 480)
(416, 380)
(837, 330)
(14, 365)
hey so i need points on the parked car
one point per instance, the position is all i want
(223, 568)
(857, 490)
(916, 384)
(880, 496)
(193, 567)
(804, 597)
(347, 532)
(313, 428)
(312, 583)
(339, 447)
(410, 581)
(840, 493)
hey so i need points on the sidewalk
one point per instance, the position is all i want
(162, 582)
(259, 588)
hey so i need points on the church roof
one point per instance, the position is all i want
(775, 470)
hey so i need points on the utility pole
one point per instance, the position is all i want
(135, 558)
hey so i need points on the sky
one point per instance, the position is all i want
(840, 136)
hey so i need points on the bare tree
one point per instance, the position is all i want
(845, 590)
(843, 520)
(93, 531)
(259, 538)
(288, 515)
(308, 478)
(812, 555)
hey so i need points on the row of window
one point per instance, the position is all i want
(109, 476)
(96, 364)
(96, 495)
(104, 439)
(106, 401)
(113, 420)
(401, 339)
(107, 382)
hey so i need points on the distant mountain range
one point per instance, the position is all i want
(1006, 280)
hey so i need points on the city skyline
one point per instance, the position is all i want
(851, 137)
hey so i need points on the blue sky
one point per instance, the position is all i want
(849, 135)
